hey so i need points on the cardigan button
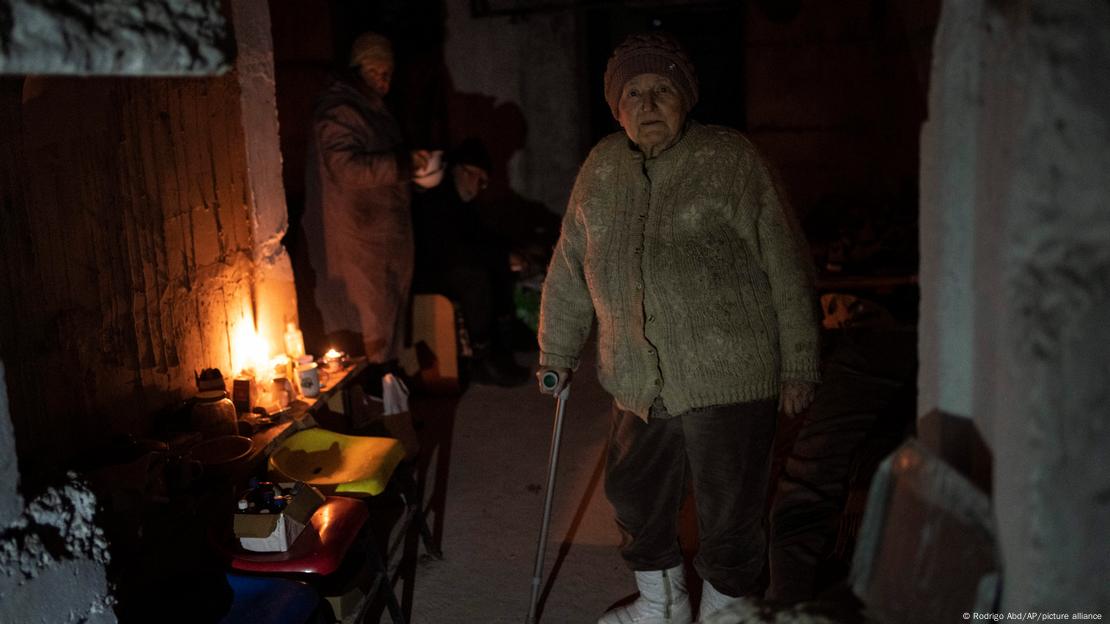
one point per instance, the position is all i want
(651, 318)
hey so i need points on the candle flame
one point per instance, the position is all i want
(251, 354)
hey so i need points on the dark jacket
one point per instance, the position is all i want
(449, 233)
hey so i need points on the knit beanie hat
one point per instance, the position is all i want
(371, 46)
(650, 53)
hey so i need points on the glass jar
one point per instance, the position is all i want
(214, 414)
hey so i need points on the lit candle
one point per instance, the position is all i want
(251, 354)
(333, 359)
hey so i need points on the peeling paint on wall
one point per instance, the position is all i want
(118, 37)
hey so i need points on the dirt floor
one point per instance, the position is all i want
(488, 454)
(484, 463)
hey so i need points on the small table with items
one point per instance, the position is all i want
(334, 395)
(336, 531)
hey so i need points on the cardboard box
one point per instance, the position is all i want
(270, 532)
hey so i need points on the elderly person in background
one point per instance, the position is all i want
(677, 240)
(458, 256)
(358, 177)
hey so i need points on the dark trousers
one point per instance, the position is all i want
(862, 407)
(725, 452)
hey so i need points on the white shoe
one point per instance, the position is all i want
(663, 600)
(712, 601)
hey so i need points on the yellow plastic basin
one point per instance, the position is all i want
(337, 463)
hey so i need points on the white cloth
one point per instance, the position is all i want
(395, 395)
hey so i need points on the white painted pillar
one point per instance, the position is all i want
(1046, 335)
(948, 175)
(1016, 266)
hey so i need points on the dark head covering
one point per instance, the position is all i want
(650, 53)
(471, 152)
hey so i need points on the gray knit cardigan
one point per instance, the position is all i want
(695, 269)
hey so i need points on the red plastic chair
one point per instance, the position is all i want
(336, 527)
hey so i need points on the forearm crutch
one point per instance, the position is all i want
(550, 381)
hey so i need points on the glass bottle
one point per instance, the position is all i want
(294, 341)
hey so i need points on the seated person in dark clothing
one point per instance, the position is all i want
(460, 258)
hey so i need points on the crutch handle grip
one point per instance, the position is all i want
(550, 380)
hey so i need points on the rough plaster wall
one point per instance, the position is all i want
(948, 175)
(551, 95)
(70, 592)
(532, 64)
(1040, 282)
(275, 293)
(52, 560)
(1047, 142)
(120, 37)
(126, 242)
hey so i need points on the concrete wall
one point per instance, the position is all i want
(11, 503)
(114, 37)
(949, 160)
(1016, 154)
(275, 296)
(52, 554)
(127, 247)
(519, 82)
(140, 232)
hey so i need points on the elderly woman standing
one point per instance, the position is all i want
(678, 242)
(357, 182)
